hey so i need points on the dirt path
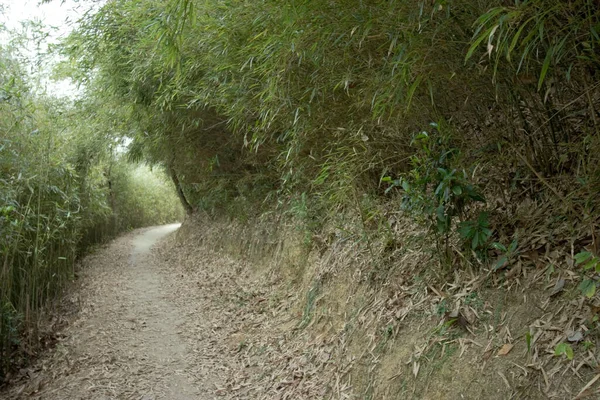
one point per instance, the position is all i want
(126, 342)
(159, 318)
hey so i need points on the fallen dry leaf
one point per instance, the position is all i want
(575, 337)
(504, 350)
(558, 287)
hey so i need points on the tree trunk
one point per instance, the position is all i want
(114, 228)
(184, 202)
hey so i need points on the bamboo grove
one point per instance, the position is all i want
(457, 112)
(477, 118)
(64, 187)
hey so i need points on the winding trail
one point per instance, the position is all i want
(126, 342)
(155, 317)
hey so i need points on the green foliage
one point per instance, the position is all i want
(589, 262)
(142, 197)
(507, 254)
(303, 106)
(299, 105)
(528, 338)
(433, 189)
(249, 106)
(541, 35)
(588, 287)
(564, 348)
(59, 171)
(476, 233)
(311, 299)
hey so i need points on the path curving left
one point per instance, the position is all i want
(125, 343)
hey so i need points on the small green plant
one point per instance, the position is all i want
(476, 233)
(440, 193)
(508, 254)
(389, 331)
(549, 271)
(564, 349)
(587, 345)
(452, 194)
(242, 345)
(441, 308)
(589, 262)
(474, 300)
(446, 329)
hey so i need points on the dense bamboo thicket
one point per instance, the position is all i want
(471, 115)
(477, 118)
(64, 186)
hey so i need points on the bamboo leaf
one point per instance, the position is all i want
(588, 287)
(545, 67)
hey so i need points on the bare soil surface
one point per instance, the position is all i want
(125, 342)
